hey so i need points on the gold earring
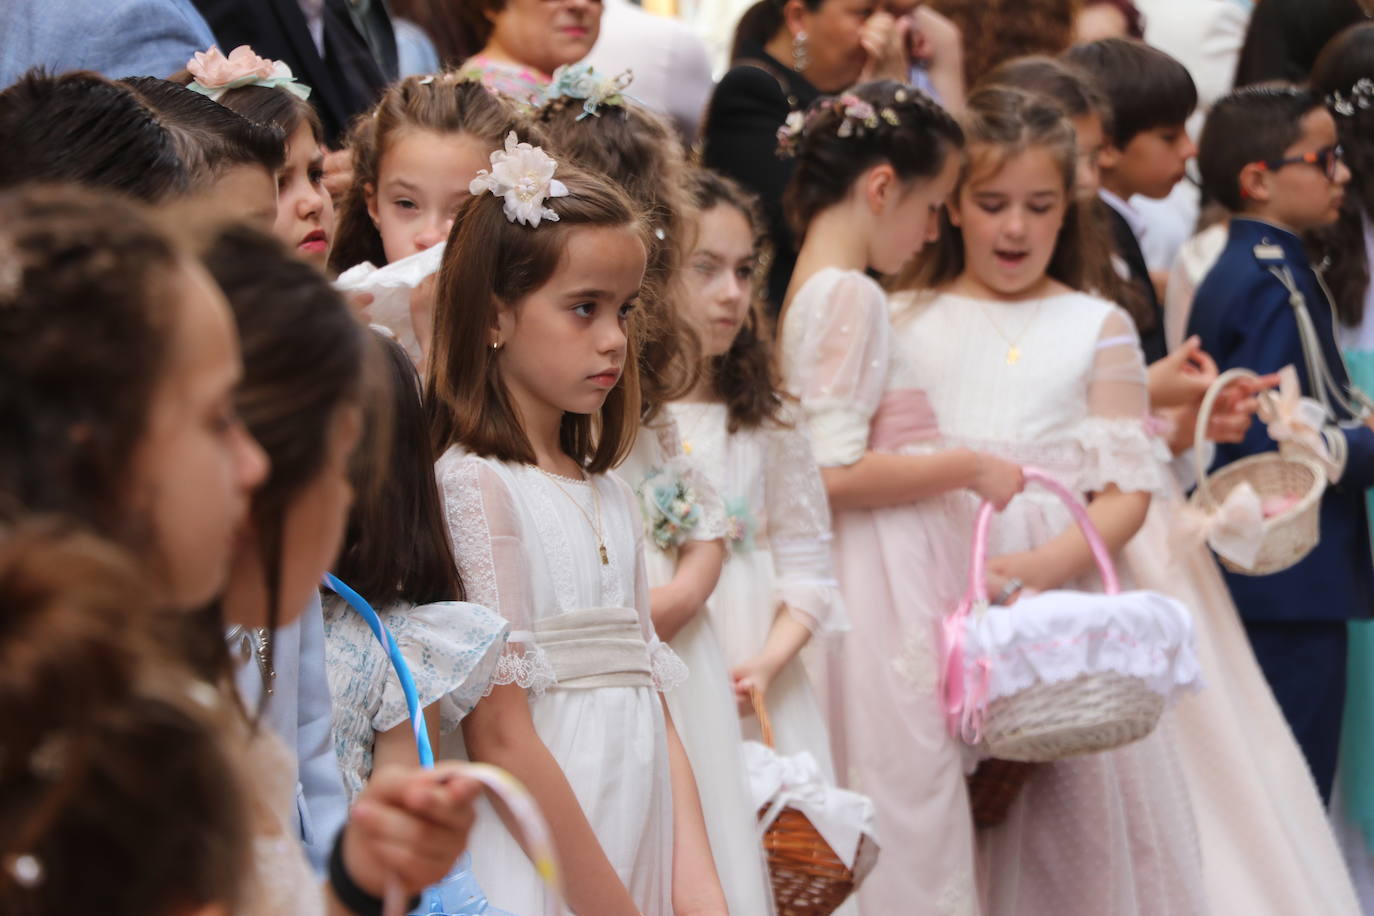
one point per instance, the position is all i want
(496, 344)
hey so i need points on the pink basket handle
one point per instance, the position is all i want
(978, 585)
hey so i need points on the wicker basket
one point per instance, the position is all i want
(1050, 721)
(1288, 536)
(808, 878)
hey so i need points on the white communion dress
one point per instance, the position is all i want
(582, 645)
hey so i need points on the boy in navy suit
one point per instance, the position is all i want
(1271, 157)
(1152, 95)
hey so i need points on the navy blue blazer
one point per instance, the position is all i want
(1242, 313)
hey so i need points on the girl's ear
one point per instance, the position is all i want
(880, 186)
(1254, 183)
(503, 328)
(370, 197)
(1109, 157)
(952, 208)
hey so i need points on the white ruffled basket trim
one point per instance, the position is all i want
(530, 669)
(665, 667)
(1057, 636)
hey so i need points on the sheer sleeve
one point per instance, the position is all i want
(667, 669)
(799, 534)
(839, 367)
(486, 534)
(1117, 438)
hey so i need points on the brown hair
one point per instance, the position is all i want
(1000, 123)
(304, 356)
(446, 104)
(1070, 87)
(87, 313)
(995, 31)
(744, 376)
(459, 28)
(640, 151)
(397, 546)
(81, 127)
(829, 161)
(1348, 59)
(110, 771)
(276, 108)
(492, 263)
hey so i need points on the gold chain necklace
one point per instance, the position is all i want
(596, 504)
(1013, 344)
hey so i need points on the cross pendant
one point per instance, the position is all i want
(1013, 355)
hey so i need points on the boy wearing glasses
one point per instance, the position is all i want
(1270, 156)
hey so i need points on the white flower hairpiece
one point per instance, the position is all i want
(216, 74)
(1360, 96)
(523, 175)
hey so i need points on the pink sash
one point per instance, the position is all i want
(904, 416)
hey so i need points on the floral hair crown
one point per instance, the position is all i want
(1360, 97)
(857, 118)
(583, 83)
(523, 175)
(216, 74)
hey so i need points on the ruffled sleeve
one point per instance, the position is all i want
(1118, 440)
(837, 365)
(668, 671)
(799, 534)
(453, 649)
(485, 530)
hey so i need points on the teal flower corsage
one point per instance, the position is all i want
(581, 82)
(671, 508)
(739, 526)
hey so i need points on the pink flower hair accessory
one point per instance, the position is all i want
(216, 74)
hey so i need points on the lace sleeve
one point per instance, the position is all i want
(838, 367)
(1117, 438)
(667, 669)
(799, 534)
(487, 544)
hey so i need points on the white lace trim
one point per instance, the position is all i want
(1122, 452)
(530, 669)
(461, 492)
(667, 669)
(553, 542)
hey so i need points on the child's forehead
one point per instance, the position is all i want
(1317, 130)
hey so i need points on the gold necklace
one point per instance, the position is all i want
(596, 504)
(1013, 344)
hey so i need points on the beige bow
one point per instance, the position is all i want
(1235, 529)
(1295, 422)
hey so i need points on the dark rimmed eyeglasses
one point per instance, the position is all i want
(1326, 159)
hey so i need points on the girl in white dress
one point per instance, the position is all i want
(533, 395)
(683, 515)
(778, 587)
(873, 167)
(1014, 359)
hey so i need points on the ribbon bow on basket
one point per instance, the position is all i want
(819, 839)
(1061, 672)
(1262, 514)
(517, 799)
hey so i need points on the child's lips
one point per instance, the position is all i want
(314, 242)
(1011, 258)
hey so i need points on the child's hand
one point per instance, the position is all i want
(409, 825)
(1183, 377)
(752, 674)
(997, 480)
(1013, 576)
(338, 172)
(1235, 408)
(361, 303)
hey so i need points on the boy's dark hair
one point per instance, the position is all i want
(1253, 124)
(1284, 38)
(81, 127)
(397, 547)
(210, 138)
(1146, 87)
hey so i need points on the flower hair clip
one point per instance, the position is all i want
(523, 175)
(216, 74)
(857, 117)
(581, 82)
(1360, 97)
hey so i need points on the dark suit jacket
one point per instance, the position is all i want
(1242, 313)
(1128, 247)
(344, 83)
(740, 139)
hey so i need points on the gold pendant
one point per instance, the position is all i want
(1013, 355)
(605, 560)
(686, 447)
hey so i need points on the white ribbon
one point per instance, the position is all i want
(1296, 421)
(776, 781)
(1234, 529)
